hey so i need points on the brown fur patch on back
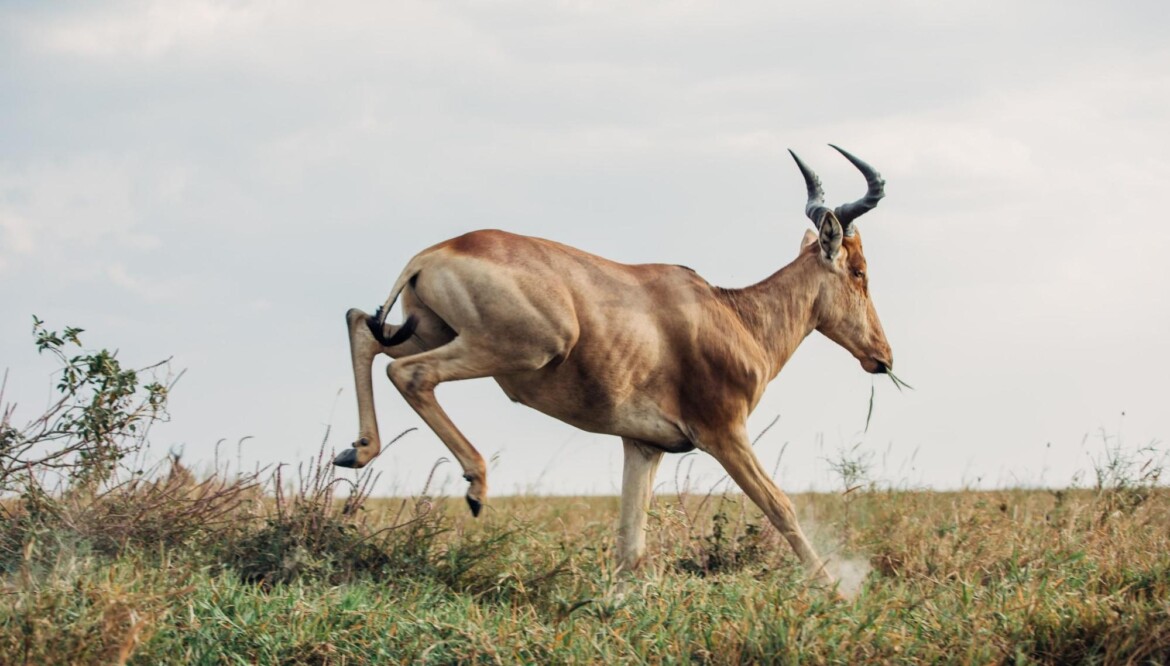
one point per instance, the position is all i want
(474, 243)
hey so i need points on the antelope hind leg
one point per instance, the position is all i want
(362, 350)
(416, 376)
(363, 347)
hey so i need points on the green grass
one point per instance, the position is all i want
(975, 577)
(104, 562)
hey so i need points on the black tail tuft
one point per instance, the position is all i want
(404, 332)
(374, 322)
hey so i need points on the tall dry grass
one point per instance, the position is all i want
(301, 566)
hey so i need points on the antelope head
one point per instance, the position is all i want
(843, 310)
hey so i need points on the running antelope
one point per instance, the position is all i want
(651, 353)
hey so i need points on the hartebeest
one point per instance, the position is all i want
(651, 353)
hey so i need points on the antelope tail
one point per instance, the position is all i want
(377, 321)
(401, 335)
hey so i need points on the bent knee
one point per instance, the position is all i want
(411, 378)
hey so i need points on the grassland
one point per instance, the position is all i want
(969, 577)
(102, 562)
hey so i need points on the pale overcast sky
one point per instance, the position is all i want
(220, 181)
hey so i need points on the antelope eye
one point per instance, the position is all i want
(858, 274)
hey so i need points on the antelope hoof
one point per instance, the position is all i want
(347, 458)
(475, 505)
(476, 493)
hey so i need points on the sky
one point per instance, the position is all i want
(218, 182)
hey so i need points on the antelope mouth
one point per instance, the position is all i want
(347, 458)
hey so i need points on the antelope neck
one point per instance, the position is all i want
(780, 311)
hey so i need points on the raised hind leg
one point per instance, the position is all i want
(363, 347)
(423, 330)
(463, 358)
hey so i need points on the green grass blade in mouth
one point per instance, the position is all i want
(869, 414)
(898, 382)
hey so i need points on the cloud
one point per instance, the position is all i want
(151, 290)
(146, 29)
(16, 238)
(227, 162)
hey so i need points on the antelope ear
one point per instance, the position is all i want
(810, 237)
(830, 236)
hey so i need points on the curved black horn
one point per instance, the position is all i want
(846, 213)
(815, 208)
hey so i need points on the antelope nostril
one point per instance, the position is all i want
(882, 366)
(363, 442)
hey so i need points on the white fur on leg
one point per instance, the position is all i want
(641, 462)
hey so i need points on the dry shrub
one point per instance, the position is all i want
(165, 513)
(312, 532)
(319, 530)
(153, 512)
(723, 550)
(720, 532)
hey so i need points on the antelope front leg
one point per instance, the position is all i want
(362, 350)
(641, 462)
(734, 452)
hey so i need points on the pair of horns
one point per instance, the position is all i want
(846, 213)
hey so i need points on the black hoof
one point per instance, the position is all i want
(347, 458)
(476, 506)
